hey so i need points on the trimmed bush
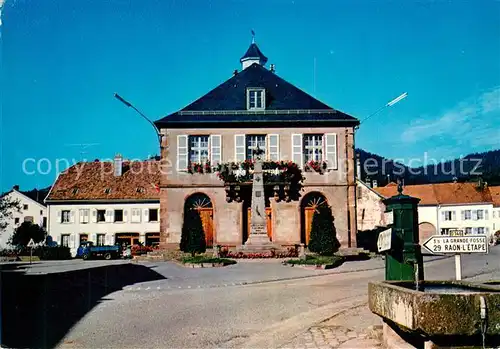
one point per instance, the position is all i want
(323, 233)
(55, 253)
(205, 259)
(193, 236)
(318, 260)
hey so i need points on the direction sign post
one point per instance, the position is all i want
(30, 245)
(384, 240)
(458, 267)
(457, 243)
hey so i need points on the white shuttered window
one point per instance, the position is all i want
(239, 148)
(331, 150)
(274, 147)
(297, 154)
(215, 149)
(182, 153)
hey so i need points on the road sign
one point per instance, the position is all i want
(384, 240)
(31, 243)
(457, 244)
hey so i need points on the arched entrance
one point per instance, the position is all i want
(425, 231)
(308, 206)
(202, 203)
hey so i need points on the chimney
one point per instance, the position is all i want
(118, 164)
(272, 68)
(235, 72)
(16, 187)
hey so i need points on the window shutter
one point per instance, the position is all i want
(239, 148)
(93, 238)
(474, 215)
(94, 215)
(125, 215)
(443, 215)
(330, 141)
(81, 215)
(487, 230)
(146, 215)
(463, 215)
(453, 215)
(109, 215)
(486, 214)
(215, 149)
(72, 241)
(72, 216)
(273, 150)
(108, 239)
(182, 153)
(297, 153)
(59, 215)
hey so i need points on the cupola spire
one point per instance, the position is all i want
(253, 55)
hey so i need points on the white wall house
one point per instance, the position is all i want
(104, 223)
(30, 211)
(446, 206)
(495, 195)
(106, 203)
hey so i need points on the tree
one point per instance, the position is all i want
(25, 232)
(7, 207)
(323, 238)
(193, 236)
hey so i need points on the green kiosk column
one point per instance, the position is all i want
(404, 259)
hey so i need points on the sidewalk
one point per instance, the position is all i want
(354, 328)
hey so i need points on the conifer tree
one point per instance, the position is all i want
(323, 238)
(193, 236)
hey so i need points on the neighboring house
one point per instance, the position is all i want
(371, 213)
(30, 211)
(106, 203)
(256, 108)
(495, 196)
(446, 206)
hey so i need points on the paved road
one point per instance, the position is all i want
(228, 316)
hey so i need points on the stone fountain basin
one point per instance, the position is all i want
(439, 308)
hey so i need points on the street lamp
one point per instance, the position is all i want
(130, 105)
(390, 104)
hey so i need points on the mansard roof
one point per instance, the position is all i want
(226, 105)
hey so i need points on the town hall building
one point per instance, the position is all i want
(207, 159)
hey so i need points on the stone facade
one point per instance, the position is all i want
(336, 185)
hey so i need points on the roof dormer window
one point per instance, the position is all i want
(256, 99)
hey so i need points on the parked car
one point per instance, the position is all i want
(87, 250)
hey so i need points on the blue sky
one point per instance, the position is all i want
(62, 60)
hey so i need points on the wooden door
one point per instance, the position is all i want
(308, 218)
(207, 219)
(269, 222)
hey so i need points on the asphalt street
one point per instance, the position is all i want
(181, 311)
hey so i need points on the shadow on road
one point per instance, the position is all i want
(38, 310)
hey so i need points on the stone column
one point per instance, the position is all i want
(257, 237)
(258, 223)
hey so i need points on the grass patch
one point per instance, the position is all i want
(205, 259)
(318, 260)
